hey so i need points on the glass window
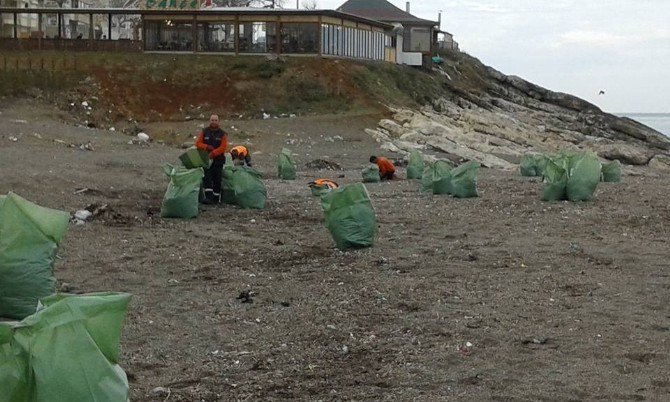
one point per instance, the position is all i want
(258, 37)
(216, 37)
(299, 38)
(168, 35)
(420, 40)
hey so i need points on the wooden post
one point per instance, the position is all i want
(280, 39)
(195, 33)
(237, 35)
(16, 26)
(90, 31)
(143, 28)
(109, 26)
(319, 37)
(39, 31)
(60, 28)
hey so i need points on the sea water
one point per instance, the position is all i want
(658, 121)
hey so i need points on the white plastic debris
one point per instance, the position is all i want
(84, 104)
(112, 129)
(83, 214)
(143, 137)
(468, 344)
(13, 139)
(266, 116)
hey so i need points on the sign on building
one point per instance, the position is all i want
(169, 4)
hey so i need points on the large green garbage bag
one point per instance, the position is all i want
(286, 165)
(350, 217)
(463, 180)
(533, 165)
(583, 177)
(29, 238)
(436, 178)
(611, 172)
(181, 197)
(194, 158)
(555, 182)
(415, 166)
(67, 351)
(371, 174)
(242, 186)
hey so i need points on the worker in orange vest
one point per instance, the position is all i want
(213, 140)
(323, 183)
(241, 155)
(386, 167)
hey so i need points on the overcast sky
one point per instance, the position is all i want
(580, 47)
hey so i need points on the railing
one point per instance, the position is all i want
(120, 45)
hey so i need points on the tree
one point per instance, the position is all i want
(310, 4)
(121, 20)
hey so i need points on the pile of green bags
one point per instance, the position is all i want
(371, 174)
(286, 165)
(67, 351)
(571, 177)
(460, 182)
(181, 197)
(611, 172)
(349, 216)
(29, 238)
(533, 165)
(435, 178)
(242, 186)
(195, 158)
(415, 166)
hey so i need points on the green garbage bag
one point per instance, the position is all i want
(611, 172)
(371, 174)
(194, 158)
(436, 178)
(67, 351)
(528, 166)
(583, 177)
(463, 180)
(350, 217)
(29, 238)
(555, 182)
(415, 166)
(533, 165)
(319, 191)
(286, 165)
(181, 197)
(242, 186)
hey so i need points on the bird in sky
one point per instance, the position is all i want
(601, 92)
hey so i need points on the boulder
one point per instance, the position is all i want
(395, 129)
(625, 153)
(660, 162)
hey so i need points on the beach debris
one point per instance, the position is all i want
(143, 137)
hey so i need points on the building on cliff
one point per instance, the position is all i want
(360, 29)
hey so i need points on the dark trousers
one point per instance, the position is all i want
(212, 180)
(387, 176)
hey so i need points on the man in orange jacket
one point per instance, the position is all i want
(241, 154)
(213, 140)
(386, 167)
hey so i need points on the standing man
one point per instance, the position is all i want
(214, 140)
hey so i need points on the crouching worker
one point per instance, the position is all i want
(241, 155)
(321, 187)
(323, 183)
(386, 167)
(213, 140)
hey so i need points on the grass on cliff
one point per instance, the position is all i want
(166, 86)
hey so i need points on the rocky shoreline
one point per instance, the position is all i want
(511, 117)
